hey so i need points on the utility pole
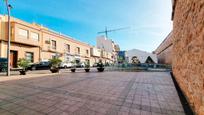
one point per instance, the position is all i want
(106, 32)
(8, 6)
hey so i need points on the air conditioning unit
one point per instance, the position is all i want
(47, 41)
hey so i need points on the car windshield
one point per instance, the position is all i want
(3, 60)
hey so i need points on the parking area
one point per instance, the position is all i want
(107, 93)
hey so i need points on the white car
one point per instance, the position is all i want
(66, 65)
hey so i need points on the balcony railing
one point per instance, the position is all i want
(50, 48)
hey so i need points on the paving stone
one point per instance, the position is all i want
(145, 113)
(107, 93)
(135, 112)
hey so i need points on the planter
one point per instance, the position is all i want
(56, 70)
(87, 70)
(73, 70)
(100, 69)
(22, 72)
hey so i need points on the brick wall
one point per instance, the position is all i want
(164, 51)
(188, 50)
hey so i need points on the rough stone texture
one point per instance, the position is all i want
(188, 49)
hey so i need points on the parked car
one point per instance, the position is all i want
(79, 65)
(94, 65)
(3, 64)
(43, 65)
(66, 65)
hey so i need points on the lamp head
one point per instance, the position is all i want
(10, 6)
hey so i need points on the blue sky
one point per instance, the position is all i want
(149, 20)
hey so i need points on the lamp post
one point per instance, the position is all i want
(8, 6)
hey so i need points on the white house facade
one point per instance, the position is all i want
(141, 56)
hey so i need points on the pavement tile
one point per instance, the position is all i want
(156, 109)
(57, 112)
(135, 112)
(48, 110)
(125, 109)
(107, 93)
(123, 113)
(127, 104)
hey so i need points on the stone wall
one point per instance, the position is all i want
(164, 51)
(188, 50)
(165, 57)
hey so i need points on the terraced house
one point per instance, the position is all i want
(37, 43)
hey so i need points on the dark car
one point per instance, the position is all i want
(43, 65)
(78, 65)
(3, 64)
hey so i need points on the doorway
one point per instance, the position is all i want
(13, 58)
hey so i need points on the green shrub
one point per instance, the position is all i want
(87, 64)
(23, 63)
(100, 64)
(73, 62)
(55, 62)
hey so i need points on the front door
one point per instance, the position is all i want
(13, 59)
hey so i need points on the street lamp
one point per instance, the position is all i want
(8, 6)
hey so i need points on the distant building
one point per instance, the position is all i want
(95, 55)
(117, 47)
(108, 45)
(104, 44)
(164, 51)
(121, 56)
(138, 56)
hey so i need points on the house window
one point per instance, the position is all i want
(29, 56)
(67, 46)
(54, 44)
(78, 50)
(35, 36)
(23, 32)
(54, 56)
(87, 52)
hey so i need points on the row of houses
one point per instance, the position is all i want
(38, 43)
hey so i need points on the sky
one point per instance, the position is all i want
(148, 21)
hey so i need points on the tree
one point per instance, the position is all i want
(135, 60)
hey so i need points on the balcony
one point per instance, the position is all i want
(51, 49)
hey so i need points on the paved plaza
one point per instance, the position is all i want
(107, 93)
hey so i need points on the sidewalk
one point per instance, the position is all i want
(30, 74)
(80, 93)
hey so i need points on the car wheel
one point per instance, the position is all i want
(33, 68)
